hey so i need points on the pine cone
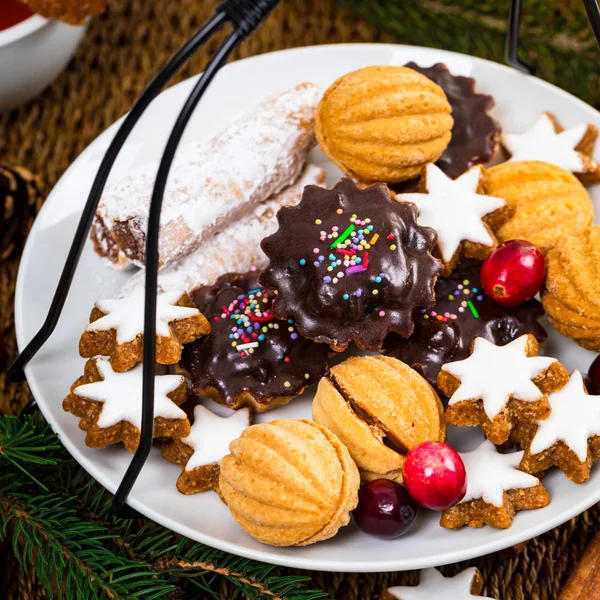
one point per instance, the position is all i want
(21, 196)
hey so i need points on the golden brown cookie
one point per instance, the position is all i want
(570, 437)
(109, 405)
(74, 12)
(460, 213)
(289, 483)
(571, 296)
(496, 489)
(380, 408)
(499, 387)
(201, 451)
(548, 141)
(547, 202)
(384, 123)
(117, 325)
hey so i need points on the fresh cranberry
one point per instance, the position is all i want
(513, 273)
(594, 377)
(434, 475)
(385, 509)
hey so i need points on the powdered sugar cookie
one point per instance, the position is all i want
(117, 325)
(464, 586)
(496, 489)
(109, 405)
(201, 451)
(462, 216)
(570, 437)
(546, 140)
(498, 387)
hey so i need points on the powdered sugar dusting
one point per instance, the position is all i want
(236, 248)
(217, 180)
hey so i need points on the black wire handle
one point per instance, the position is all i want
(245, 16)
(511, 49)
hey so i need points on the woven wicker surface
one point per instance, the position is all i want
(115, 61)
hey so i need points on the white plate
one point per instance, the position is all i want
(519, 100)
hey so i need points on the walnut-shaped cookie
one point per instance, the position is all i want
(109, 405)
(380, 409)
(496, 489)
(289, 483)
(201, 451)
(117, 325)
(383, 123)
(548, 141)
(499, 387)
(459, 212)
(432, 585)
(570, 437)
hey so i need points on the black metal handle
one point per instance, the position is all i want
(511, 49)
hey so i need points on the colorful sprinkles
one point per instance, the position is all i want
(252, 320)
(462, 290)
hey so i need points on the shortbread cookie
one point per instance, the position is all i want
(547, 202)
(350, 265)
(570, 437)
(236, 248)
(201, 451)
(462, 312)
(571, 295)
(549, 142)
(432, 585)
(213, 182)
(500, 386)
(117, 326)
(462, 216)
(380, 409)
(109, 405)
(250, 358)
(496, 489)
(289, 483)
(383, 123)
(475, 134)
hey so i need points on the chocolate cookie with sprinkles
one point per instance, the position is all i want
(462, 312)
(250, 358)
(350, 265)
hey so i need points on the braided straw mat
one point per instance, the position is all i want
(119, 54)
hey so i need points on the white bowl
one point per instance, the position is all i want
(32, 54)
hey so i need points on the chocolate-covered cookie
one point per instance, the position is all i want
(350, 265)
(250, 358)
(462, 312)
(475, 134)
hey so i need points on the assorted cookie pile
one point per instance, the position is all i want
(421, 255)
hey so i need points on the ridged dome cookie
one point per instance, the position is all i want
(380, 408)
(547, 201)
(384, 123)
(571, 295)
(289, 483)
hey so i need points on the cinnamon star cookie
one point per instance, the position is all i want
(462, 312)
(350, 265)
(251, 358)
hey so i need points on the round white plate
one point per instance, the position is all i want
(202, 517)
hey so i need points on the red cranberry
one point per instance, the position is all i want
(513, 273)
(385, 509)
(434, 475)
(594, 377)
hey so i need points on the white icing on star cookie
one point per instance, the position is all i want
(211, 435)
(490, 474)
(121, 395)
(454, 209)
(434, 585)
(575, 417)
(126, 315)
(541, 142)
(496, 373)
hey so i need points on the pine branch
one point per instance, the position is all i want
(71, 556)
